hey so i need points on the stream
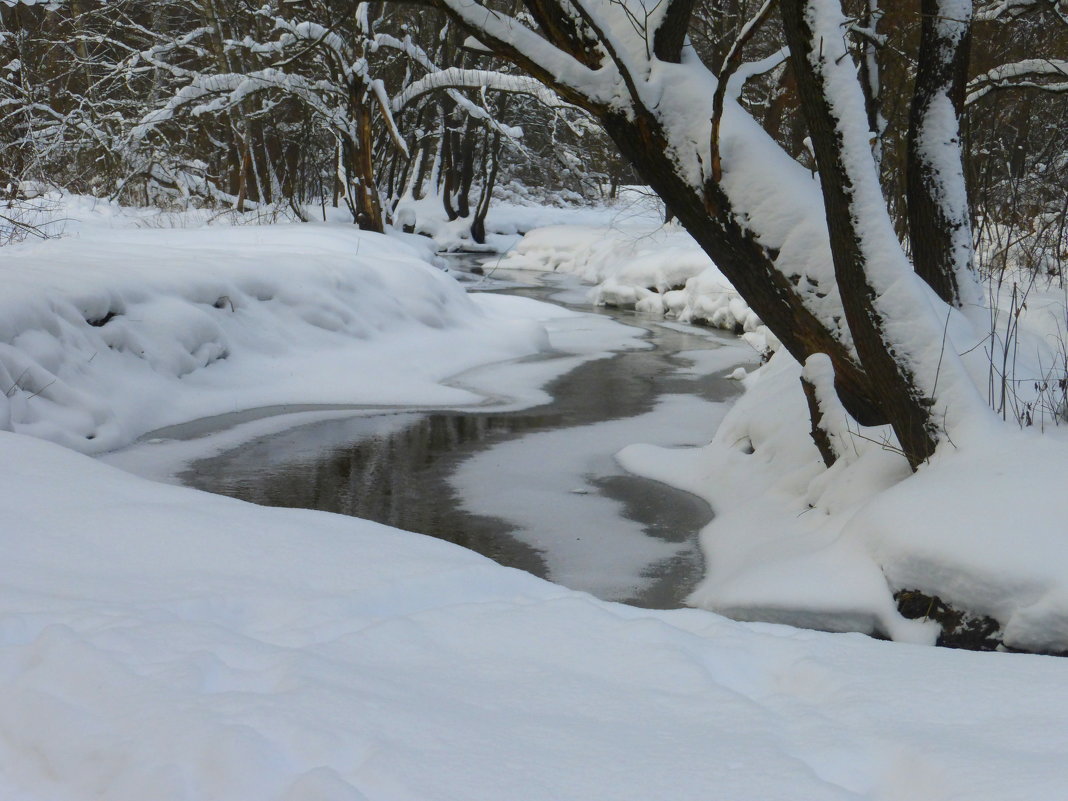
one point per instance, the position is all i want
(536, 489)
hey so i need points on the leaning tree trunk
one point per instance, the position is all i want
(704, 209)
(709, 218)
(896, 362)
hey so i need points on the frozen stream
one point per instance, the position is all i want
(535, 488)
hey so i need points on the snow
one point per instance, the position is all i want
(162, 643)
(904, 313)
(794, 542)
(996, 552)
(545, 484)
(1019, 73)
(513, 213)
(769, 556)
(798, 543)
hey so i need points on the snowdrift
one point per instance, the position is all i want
(115, 332)
(161, 643)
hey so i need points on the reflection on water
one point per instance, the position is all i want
(389, 468)
(394, 468)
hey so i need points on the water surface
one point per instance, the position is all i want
(591, 525)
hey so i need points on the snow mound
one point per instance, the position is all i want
(983, 528)
(116, 332)
(642, 265)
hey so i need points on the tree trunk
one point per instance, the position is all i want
(938, 216)
(367, 210)
(466, 167)
(489, 178)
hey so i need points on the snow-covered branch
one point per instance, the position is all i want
(1047, 74)
(459, 78)
(1004, 10)
(507, 36)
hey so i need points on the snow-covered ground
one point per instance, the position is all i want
(981, 527)
(160, 643)
(157, 642)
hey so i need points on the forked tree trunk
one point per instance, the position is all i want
(490, 164)
(848, 211)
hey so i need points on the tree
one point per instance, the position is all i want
(251, 106)
(286, 68)
(818, 260)
(1017, 132)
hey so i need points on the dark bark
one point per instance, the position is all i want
(905, 406)
(820, 437)
(942, 71)
(490, 164)
(870, 78)
(671, 34)
(448, 173)
(777, 118)
(563, 31)
(465, 167)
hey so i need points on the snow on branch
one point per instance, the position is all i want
(214, 93)
(510, 38)
(1002, 10)
(459, 78)
(454, 79)
(1033, 73)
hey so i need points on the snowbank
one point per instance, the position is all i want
(163, 643)
(981, 527)
(645, 265)
(116, 331)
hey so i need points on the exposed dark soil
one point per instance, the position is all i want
(960, 629)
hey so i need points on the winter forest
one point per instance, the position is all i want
(533, 399)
